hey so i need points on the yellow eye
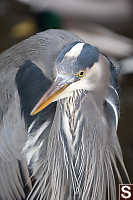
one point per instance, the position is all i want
(81, 74)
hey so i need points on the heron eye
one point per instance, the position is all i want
(81, 73)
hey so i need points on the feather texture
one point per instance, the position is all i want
(87, 172)
(69, 151)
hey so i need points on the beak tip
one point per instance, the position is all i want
(33, 112)
(47, 99)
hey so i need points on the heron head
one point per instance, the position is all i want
(78, 66)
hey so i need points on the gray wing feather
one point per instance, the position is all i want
(42, 49)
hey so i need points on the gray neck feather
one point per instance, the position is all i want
(77, 164)
(71, 112)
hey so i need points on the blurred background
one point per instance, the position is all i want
(107, 24)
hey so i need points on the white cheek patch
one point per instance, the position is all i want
(75, 51)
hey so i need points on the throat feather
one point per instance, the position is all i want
(72, 117)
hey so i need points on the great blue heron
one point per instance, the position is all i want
(69, 149)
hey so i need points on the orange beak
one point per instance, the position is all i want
(49, 96)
